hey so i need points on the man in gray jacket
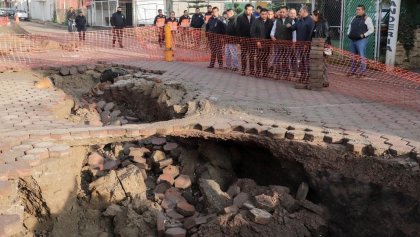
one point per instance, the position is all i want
(282, 37)
(260, 31)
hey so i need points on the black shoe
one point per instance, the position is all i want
(210, 66)
(350, 74)
(360, 75)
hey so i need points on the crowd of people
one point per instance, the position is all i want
(271, 43)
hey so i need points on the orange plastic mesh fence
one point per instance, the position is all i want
(299, 62)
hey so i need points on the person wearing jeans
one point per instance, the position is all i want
(231, 52)
(71, 16)
(359, 30)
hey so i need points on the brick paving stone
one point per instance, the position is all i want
(220, 128)
(10, 225)
(60, 134)
(59, 151)
(400, 149)
(252, 128)
(335, 138)
(277, 133)
(355, 146)
(98, 132)
(23, 147)
(32, 160)
(19, 169)
(295, 135)
(43, 145)
(41, 153)
(5, 188)
(313, 136)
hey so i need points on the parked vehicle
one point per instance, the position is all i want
(3, 12)
(22, 15)
(9, 11)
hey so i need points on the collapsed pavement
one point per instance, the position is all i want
(83, 181)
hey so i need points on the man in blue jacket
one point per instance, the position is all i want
(304, 27)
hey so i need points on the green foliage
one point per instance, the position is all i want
(55, 16)
(239, 10)
(406, 30)
(407, 27)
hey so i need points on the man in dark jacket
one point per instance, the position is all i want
(184, 20)
(361, 27)
(231, 52)
(159, 22)
(197, 20)
(208, 14)
(260, 31)
(118, 24)
(304, 27)
(215, 29)
(81, 25)
(282, 37)
(243, 27)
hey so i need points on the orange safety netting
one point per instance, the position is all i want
(276, 60)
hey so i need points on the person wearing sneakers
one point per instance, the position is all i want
(361, 27)
(118, 24)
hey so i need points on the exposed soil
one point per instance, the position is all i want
(206, 187)
(219, 188)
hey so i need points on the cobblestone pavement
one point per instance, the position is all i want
(279, 100)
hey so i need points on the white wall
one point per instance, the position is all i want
(146, 10)
(41, 10)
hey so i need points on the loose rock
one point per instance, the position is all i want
(260, 216)
(216, 199)
(185, 209)
(183, 182)
(302, 191)
(171, 170)
(175, 232)
(166, 178)
(158, 156)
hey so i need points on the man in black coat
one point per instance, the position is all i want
(215, 29)
(304, 28)
(243, 29)
(282, 37)
(118, 24)
(197, 20)
(260, 31)
(81, 25)
(231, 51)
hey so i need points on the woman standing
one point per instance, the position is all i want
(321, 30)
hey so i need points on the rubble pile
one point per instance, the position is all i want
(164, 187)
(111, 95)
